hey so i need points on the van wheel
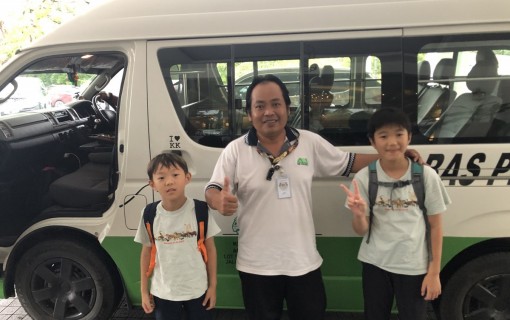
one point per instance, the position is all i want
(66, 280)
(479, 290)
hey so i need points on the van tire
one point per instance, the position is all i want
(85, 288)
(462, 295)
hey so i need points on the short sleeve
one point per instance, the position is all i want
(212, 227)
(329, 160)
(225, 167)
(142, 236)
(436, 197)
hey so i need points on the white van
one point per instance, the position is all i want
(73, 180)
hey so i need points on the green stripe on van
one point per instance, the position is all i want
(341, 269)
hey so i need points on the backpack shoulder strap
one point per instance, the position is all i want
(419, 190)
(373, 185)
(418, 184)
(202, 214)
(149, 213)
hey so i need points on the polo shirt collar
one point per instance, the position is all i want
(252, 140)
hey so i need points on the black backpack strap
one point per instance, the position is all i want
(149, 213)
(373, 185)
(202, 214)
(419, 190)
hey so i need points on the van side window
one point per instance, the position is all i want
(372, 81)
(330, 89)
(463, 100)
(366, 76)
(334, 86)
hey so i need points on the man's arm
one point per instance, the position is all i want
(222, 200)
(362, 160)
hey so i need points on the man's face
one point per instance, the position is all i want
(268, 113)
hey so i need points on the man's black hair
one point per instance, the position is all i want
(166, 160)
(388, 116)
(266, 78)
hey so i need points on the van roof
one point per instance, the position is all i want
(162, 19)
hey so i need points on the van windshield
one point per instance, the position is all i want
(57, 81)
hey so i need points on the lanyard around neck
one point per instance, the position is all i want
(275, 160)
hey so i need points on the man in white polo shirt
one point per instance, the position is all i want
(266, 176)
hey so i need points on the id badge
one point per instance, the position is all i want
(283, 186)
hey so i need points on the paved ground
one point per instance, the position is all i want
(10, 309)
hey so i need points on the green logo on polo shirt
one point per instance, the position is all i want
(302, 162)
(235, 226)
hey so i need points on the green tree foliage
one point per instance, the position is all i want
(37, 18)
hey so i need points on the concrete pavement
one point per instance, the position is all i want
(10, 309)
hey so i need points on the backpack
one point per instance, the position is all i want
(202, 215)
(419, 190)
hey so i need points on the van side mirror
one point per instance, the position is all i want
(8, 91)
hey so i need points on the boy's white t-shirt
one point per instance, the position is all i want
(180, 273)
(397, 241)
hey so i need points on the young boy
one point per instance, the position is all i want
(394, 251)
(180, 279)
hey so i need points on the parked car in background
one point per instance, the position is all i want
(59, 95)
(29, 94)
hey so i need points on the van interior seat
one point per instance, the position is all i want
(501, 125)
(423, 75)
(328, 78)
(314, 71)
(86, 187)
(437, 95)
(487, 55)
(320, 95)
(471, 114)
(320, 88)
(358, 123)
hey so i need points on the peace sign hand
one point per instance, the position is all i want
(355, 202)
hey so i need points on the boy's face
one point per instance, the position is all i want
(170, 182)
(391, 142)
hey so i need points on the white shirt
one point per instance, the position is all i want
(277, 236)
(397, 241)
(180, 273)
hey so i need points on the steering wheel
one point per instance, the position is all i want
(108, 116)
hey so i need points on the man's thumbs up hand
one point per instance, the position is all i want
(228, 202)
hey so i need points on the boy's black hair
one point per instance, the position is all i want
(387, 116)
(266, 78)
(166, 160)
